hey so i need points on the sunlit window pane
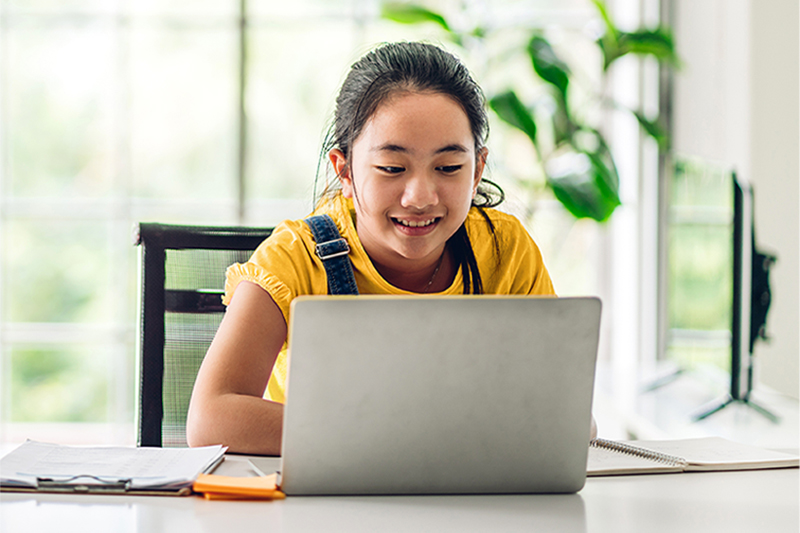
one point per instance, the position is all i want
(290, 98)
(64, 384)
(61, 6)
(304, 9)
(700, 251)
(701, 273)
(183, 112)
(185, 9)
(56, 271)
(61, 110)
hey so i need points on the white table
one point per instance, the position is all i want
(765, 500)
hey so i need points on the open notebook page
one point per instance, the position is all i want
(703, 454)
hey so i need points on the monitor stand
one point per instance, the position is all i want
(734, 398)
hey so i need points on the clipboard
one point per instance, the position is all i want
(96, 489)
(43, 467)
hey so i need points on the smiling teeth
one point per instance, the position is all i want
(412, 224)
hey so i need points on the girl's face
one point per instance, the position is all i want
(413, 174)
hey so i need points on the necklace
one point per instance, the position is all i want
(435, 271)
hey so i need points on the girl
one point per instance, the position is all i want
(408, 149)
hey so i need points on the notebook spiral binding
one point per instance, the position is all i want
(629, 449)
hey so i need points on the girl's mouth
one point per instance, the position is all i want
(416, 227)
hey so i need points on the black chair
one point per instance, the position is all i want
(183, 278)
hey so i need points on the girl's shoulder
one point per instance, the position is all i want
(289, 237)
(492, 231)
(515, 262)
(297, 233)
(492, 222)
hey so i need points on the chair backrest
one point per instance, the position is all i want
(182, 282)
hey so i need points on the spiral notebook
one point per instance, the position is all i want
(610, 458)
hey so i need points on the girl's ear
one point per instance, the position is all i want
(480, 164)
(342, 170)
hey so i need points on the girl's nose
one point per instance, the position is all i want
(420, 192)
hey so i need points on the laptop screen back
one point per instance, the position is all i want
(427, 395)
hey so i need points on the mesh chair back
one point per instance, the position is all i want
(183, 279)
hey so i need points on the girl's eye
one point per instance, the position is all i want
(449, 169)
(391, 170)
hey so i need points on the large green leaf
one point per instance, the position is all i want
(657, 43)
(510, 109)
(548, 65)
(605, 174)
(411, 14)
(608, 43)
(585, 184)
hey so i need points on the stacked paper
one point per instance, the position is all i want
(42, 466)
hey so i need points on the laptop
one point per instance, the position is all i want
(439, 395)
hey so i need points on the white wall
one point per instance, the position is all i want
(736, 102)
(774, 143)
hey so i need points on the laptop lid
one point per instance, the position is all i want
(439, 395)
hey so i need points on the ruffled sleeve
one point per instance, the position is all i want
(239, 272)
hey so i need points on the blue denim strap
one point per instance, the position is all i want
(333, 250)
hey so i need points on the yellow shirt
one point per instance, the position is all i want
(286, 266)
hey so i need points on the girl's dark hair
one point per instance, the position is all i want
(416, 67)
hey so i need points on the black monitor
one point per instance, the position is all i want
(751, 296)
(718, 292)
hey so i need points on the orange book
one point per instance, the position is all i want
(229, 487)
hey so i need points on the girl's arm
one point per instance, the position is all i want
(227, 405)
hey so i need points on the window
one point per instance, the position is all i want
(201, 113)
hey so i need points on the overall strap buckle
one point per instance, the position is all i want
(331, 249)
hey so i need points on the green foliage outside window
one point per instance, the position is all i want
(700, 264)
(57, 384)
